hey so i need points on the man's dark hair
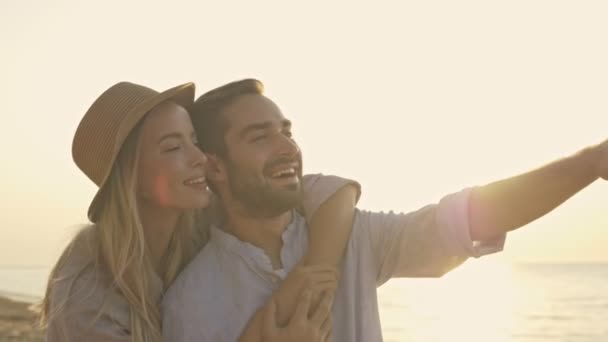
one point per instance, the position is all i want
(207, 118)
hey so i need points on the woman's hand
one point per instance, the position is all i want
(302, 327)
(318, 282)
(318, 279)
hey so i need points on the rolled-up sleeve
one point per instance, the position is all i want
(428, 242)
(453, 218)
(318, 188)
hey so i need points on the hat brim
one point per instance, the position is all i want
(182, 95)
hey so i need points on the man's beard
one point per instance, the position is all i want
(260, 197)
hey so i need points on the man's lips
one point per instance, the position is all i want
(284, 171)
(289, 171)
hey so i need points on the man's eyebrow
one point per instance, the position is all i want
(255, 127)
(262, 126)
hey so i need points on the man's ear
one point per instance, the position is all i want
(216, 168)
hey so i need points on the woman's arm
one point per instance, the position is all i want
(74, 312)
(330, 227)
(329, 206)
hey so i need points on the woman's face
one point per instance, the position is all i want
(171, 169)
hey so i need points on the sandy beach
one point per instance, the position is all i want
(17, 322)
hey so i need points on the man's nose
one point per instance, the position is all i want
(289, 147)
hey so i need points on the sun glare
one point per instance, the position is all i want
(477, 302)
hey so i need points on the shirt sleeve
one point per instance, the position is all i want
(428, 242)
(70, 329)
(318, 188)
(86, 314)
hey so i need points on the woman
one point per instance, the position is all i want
(139, 147)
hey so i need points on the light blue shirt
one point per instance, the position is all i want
(213, 299)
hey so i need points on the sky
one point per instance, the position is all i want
(414, 100)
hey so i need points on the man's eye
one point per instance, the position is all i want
(259, 138)
(172, 149)
(288, 134)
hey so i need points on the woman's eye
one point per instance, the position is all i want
(172, 148)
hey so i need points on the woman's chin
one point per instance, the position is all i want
(203, 201)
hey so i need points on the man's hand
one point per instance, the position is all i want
(510, 203)
(602, 155)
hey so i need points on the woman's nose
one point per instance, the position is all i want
(198, 157)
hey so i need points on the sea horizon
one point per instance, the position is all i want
(514, 302)
(38, 274)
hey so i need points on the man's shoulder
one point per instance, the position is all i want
(199, 271)
(370, 225)
(199, 305)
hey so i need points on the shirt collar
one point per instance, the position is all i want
(250, 252)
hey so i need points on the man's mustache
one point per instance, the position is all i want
(282, 161)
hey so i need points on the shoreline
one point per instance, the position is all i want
(20, 297)
(17, 320)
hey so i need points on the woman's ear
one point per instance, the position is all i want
(216, 168)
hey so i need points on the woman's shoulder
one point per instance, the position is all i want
(78, 264)
(81, 287)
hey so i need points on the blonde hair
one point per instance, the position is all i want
(116, 246)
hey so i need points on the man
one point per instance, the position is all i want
(256, 169)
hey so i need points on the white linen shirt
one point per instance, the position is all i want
(213, 299)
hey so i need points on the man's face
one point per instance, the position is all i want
(264, 163)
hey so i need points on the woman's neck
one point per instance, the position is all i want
(158, 224)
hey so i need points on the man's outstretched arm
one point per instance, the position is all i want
(511, 203)
(433, 240)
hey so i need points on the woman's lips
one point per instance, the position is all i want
(199, 182)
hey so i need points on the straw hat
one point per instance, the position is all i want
(104, 128)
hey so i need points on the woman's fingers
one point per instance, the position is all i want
(322, 277)
(317, 280)
(318, 268)
(330, 336)
(318, 271)
(323, 271)
(301, 312)
(326, 329)
(270, 324)
(327, 286)
(323, 310)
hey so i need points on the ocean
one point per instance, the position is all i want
(483, 300)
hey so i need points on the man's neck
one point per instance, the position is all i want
(263, 232)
